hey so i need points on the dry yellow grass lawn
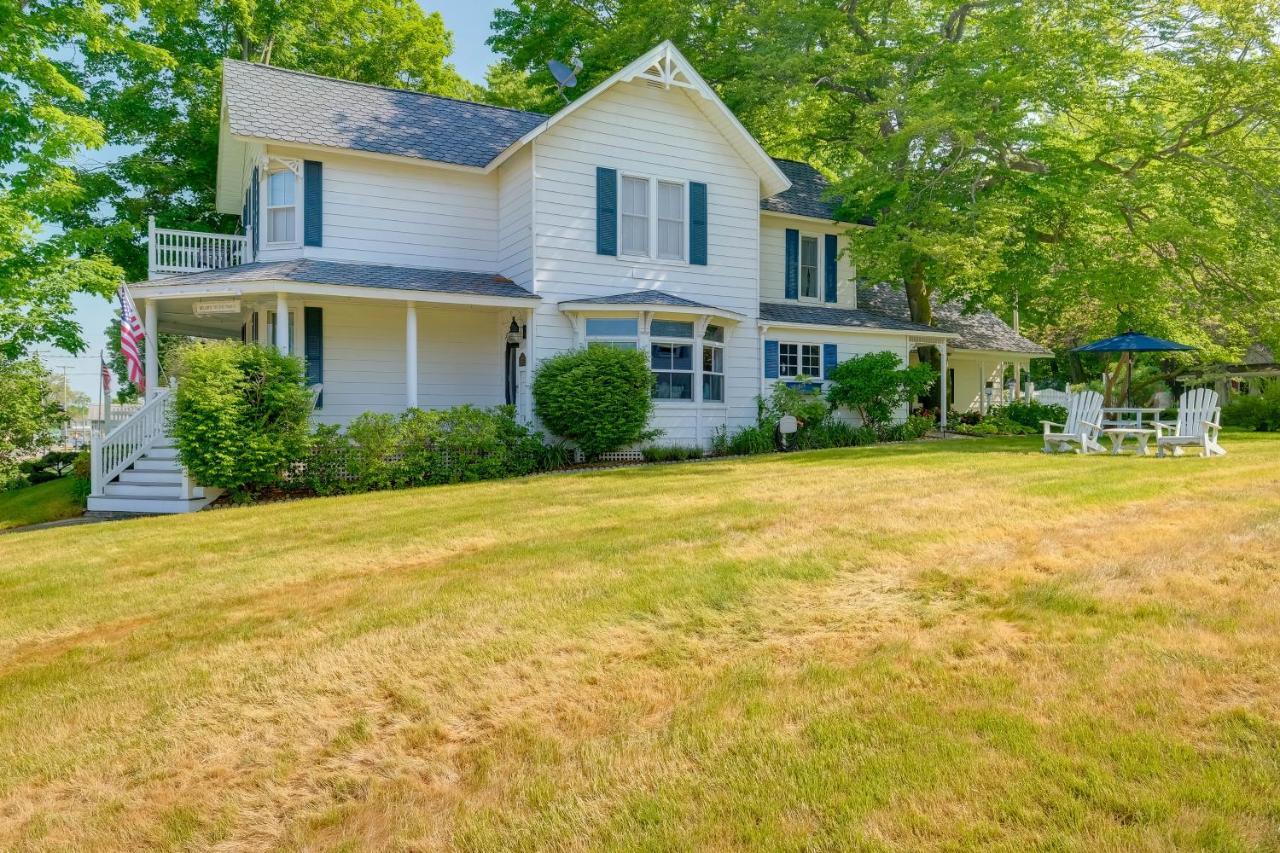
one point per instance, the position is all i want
(946, 645)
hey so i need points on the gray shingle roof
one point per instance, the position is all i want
(359, 275)
(641, 297)
(821, 315)
(292, 106)
(977, 330)
(810, 193)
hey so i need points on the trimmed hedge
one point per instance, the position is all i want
(600, 398)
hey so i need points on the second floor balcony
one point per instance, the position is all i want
(172, 252)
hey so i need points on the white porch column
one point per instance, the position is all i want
(526, 388)
(151, 371)
(282, 323)
(942, 403)
(263, 315)
(1017, 381)
(411, 355)
(982, 388)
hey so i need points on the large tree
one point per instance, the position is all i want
(44, 50)
(1100, 162)
(164, 104)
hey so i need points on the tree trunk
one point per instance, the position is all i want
(1075, 367)
(918, 295)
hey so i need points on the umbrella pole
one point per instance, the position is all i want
(1128, 385)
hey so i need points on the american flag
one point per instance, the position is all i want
(106, 373)
(130, 334)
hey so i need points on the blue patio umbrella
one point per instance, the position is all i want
(1132, 341)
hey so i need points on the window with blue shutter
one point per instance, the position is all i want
(244, 216)
(606, 211)
(792, 260)
(313, 348)
(829, 268)
(698, 224)
(254, 217)
(312, 203)
(829, 359)
(770, 359)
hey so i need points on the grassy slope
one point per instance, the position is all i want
(920, 646)
(49, 501)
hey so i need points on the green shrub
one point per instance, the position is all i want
(82, 475)
(420, 448)
(834, 433)
(600, 398)
(671, 453)
(912, 428)
(1258, 413)
(1029, 413)
(751, 440)
(876, 384)
(240, 417)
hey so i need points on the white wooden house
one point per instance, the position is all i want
(432, 252)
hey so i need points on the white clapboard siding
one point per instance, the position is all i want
(459, 357)
(773, 259)
(663, 134)
(404, 214)
(515, 225)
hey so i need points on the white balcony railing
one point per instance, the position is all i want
(170, 251)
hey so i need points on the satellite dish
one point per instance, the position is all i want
(565, 76)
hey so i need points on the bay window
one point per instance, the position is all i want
(713, 365)
(671, 359)
(615, 332)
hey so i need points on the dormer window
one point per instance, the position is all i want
(282, 206)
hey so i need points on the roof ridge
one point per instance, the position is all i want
(298, 73)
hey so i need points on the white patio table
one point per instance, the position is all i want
(1119, 434)
(1123, 416)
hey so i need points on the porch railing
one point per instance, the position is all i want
(112, 453)
(171, 251)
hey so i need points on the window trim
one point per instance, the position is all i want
(652, 255)
(274, 167)
(817, 377)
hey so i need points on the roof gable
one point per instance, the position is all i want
(664, 66)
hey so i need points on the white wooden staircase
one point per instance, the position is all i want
(136, 467)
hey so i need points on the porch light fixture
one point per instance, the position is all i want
(513, 332)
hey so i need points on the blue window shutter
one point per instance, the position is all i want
(829, 356)
(770, 359)
(829, 268)
(793, 264)
(244, 216)
(312, 203)
(606, 211)
(698, 224)
(254, 208)
(313, 348)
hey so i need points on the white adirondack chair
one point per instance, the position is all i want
(1197, 426)
(1083, 427)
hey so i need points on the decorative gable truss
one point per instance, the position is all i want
(667, 71)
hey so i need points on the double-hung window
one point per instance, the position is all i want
(671, 359)
(652, 218)
(671, 221)
(800, 360)
(713, 365)
(635, 216)
(809, 267)
(282, 206)
(615, 332)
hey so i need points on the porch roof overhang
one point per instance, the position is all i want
(848, 320)
(654, 301)
(342, 280)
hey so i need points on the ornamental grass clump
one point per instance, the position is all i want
(599, 398)
(240, 415)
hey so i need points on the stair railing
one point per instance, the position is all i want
(112, 453)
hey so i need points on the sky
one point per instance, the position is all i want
(469, 22)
